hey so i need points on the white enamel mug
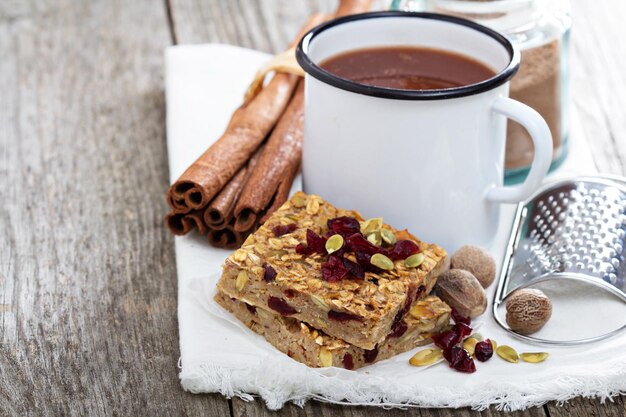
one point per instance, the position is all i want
(431, 161)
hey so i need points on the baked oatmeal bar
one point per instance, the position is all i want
(358, 293)
(316, 349)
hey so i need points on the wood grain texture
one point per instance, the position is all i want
(266, 25)
(584, 407)
(598, 80)
(317, 409)
(87, 278)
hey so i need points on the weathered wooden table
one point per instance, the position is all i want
(87, 278)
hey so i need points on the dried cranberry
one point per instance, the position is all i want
(269, 273)
(342, 316)
(446, 339)
(399, 315)
(284, 229)
(458, 318)
(463, 330)
(459, 359)
(251, 309)
(289, 353)
(363, 251)
(412, 295)
(370, 355)
(281, 306)
(333, 269)
(348, 362)
(483, 350)
(314, 244)
(363, 259)
(398, 329)
(402, 249)
(344, 226)
(354, 268)
(303, 249)
(289, 293)
(358, 243)
(397, 318)
(454, 336)
(421, 290)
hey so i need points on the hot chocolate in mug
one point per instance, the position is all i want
(428, 160)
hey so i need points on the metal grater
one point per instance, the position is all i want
(570, 230)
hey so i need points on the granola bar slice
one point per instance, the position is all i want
(285, 267)
(317, 349)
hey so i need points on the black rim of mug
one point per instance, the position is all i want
(392, 93)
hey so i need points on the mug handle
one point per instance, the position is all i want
(542, 140)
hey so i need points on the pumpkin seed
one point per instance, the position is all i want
(381, 261)
(410, 335)
(426, 357)
(470, 345)
(313, 206)
(298, 200)
(534, 357)
(334, 243)
(388, 236)
(477, 336)
(420, 311)
(240, 282)
(371, 225)
(318, 301)
(494, 344)
(507, 353)
(414, 261)
(326, 357)
(375, 238)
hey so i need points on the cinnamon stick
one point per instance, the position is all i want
(272, 176)
(347, 7)
(227, 237)
(182, 223)
(248, 127)
(220, 209)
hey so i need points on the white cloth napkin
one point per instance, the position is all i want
(204, 84)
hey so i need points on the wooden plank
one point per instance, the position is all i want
(266, 25)
(318, 409)
(87, 278)
(583, 407)
(597, 80)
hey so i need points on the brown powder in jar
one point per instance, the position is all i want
(538, 85)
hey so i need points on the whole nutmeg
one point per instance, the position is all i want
(477, 261)
(462, 291)
(528, 310)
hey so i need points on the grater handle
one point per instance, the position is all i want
(542, 141)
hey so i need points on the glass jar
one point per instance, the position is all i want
(540, 29)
